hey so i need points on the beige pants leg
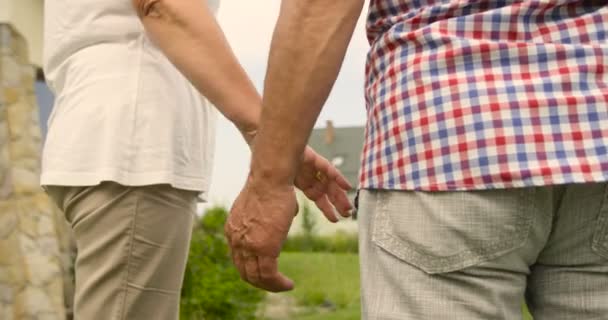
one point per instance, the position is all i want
(132, 247)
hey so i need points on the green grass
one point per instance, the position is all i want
(324, 278)
(350, 313)
(527, 315)
(327, 277)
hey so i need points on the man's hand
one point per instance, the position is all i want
(322, 183)
(256, 229)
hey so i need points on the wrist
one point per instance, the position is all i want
(244, 113)
(271, 171)
(249, 135)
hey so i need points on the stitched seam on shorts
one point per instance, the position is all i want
(379, 208)
(122, 309)
(599, 244)
(395, 245)
(379, 205)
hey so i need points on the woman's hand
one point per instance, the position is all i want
(322, 183)
(319, 180)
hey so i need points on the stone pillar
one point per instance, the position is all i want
(33, 237)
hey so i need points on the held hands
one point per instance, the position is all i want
(263, 212)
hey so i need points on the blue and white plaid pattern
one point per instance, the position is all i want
(465, 94)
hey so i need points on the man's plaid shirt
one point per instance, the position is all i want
(465, 94)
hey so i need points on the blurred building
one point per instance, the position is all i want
(34, 241)
(25, 16)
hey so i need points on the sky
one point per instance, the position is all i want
(248, 25)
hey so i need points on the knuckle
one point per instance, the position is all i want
(253, 247)
(313, 195)
(266, 276)
(254, 278)
(228, 226)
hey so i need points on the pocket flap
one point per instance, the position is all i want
(447, 231)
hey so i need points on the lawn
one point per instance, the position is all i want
(325, 279)
(350, 313)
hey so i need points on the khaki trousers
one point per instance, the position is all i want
(132, 246)
(478, 255)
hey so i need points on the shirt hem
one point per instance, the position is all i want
(538, 182)
(80, 179)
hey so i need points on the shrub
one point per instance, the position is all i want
(342, 242)
(339, 242)
(212, 288)
(309, 225)
(309, 241)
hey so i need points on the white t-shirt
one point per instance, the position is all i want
(122, 112)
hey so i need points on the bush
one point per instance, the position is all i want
(212, 288)
(309, 225)
(309, 241)
(340, 242)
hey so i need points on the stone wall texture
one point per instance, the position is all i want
(35, 243)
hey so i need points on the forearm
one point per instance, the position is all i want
(307, 51)
(187, 32)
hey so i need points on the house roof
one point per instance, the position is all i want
(343, 148)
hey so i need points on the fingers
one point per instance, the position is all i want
(333, 191)
(327, 196)
(342, 182)
(339, 199)
(335, 175)
(270, 277)
(332, 173)
(252, 273)
(327, 208)
(256, 227)
(314, 192)
(239, 263)
(262, 272)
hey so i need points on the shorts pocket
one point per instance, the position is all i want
(446, 231)
(600, 237)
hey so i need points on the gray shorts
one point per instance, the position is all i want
(479, 254)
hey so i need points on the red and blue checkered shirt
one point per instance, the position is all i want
(465, 94)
